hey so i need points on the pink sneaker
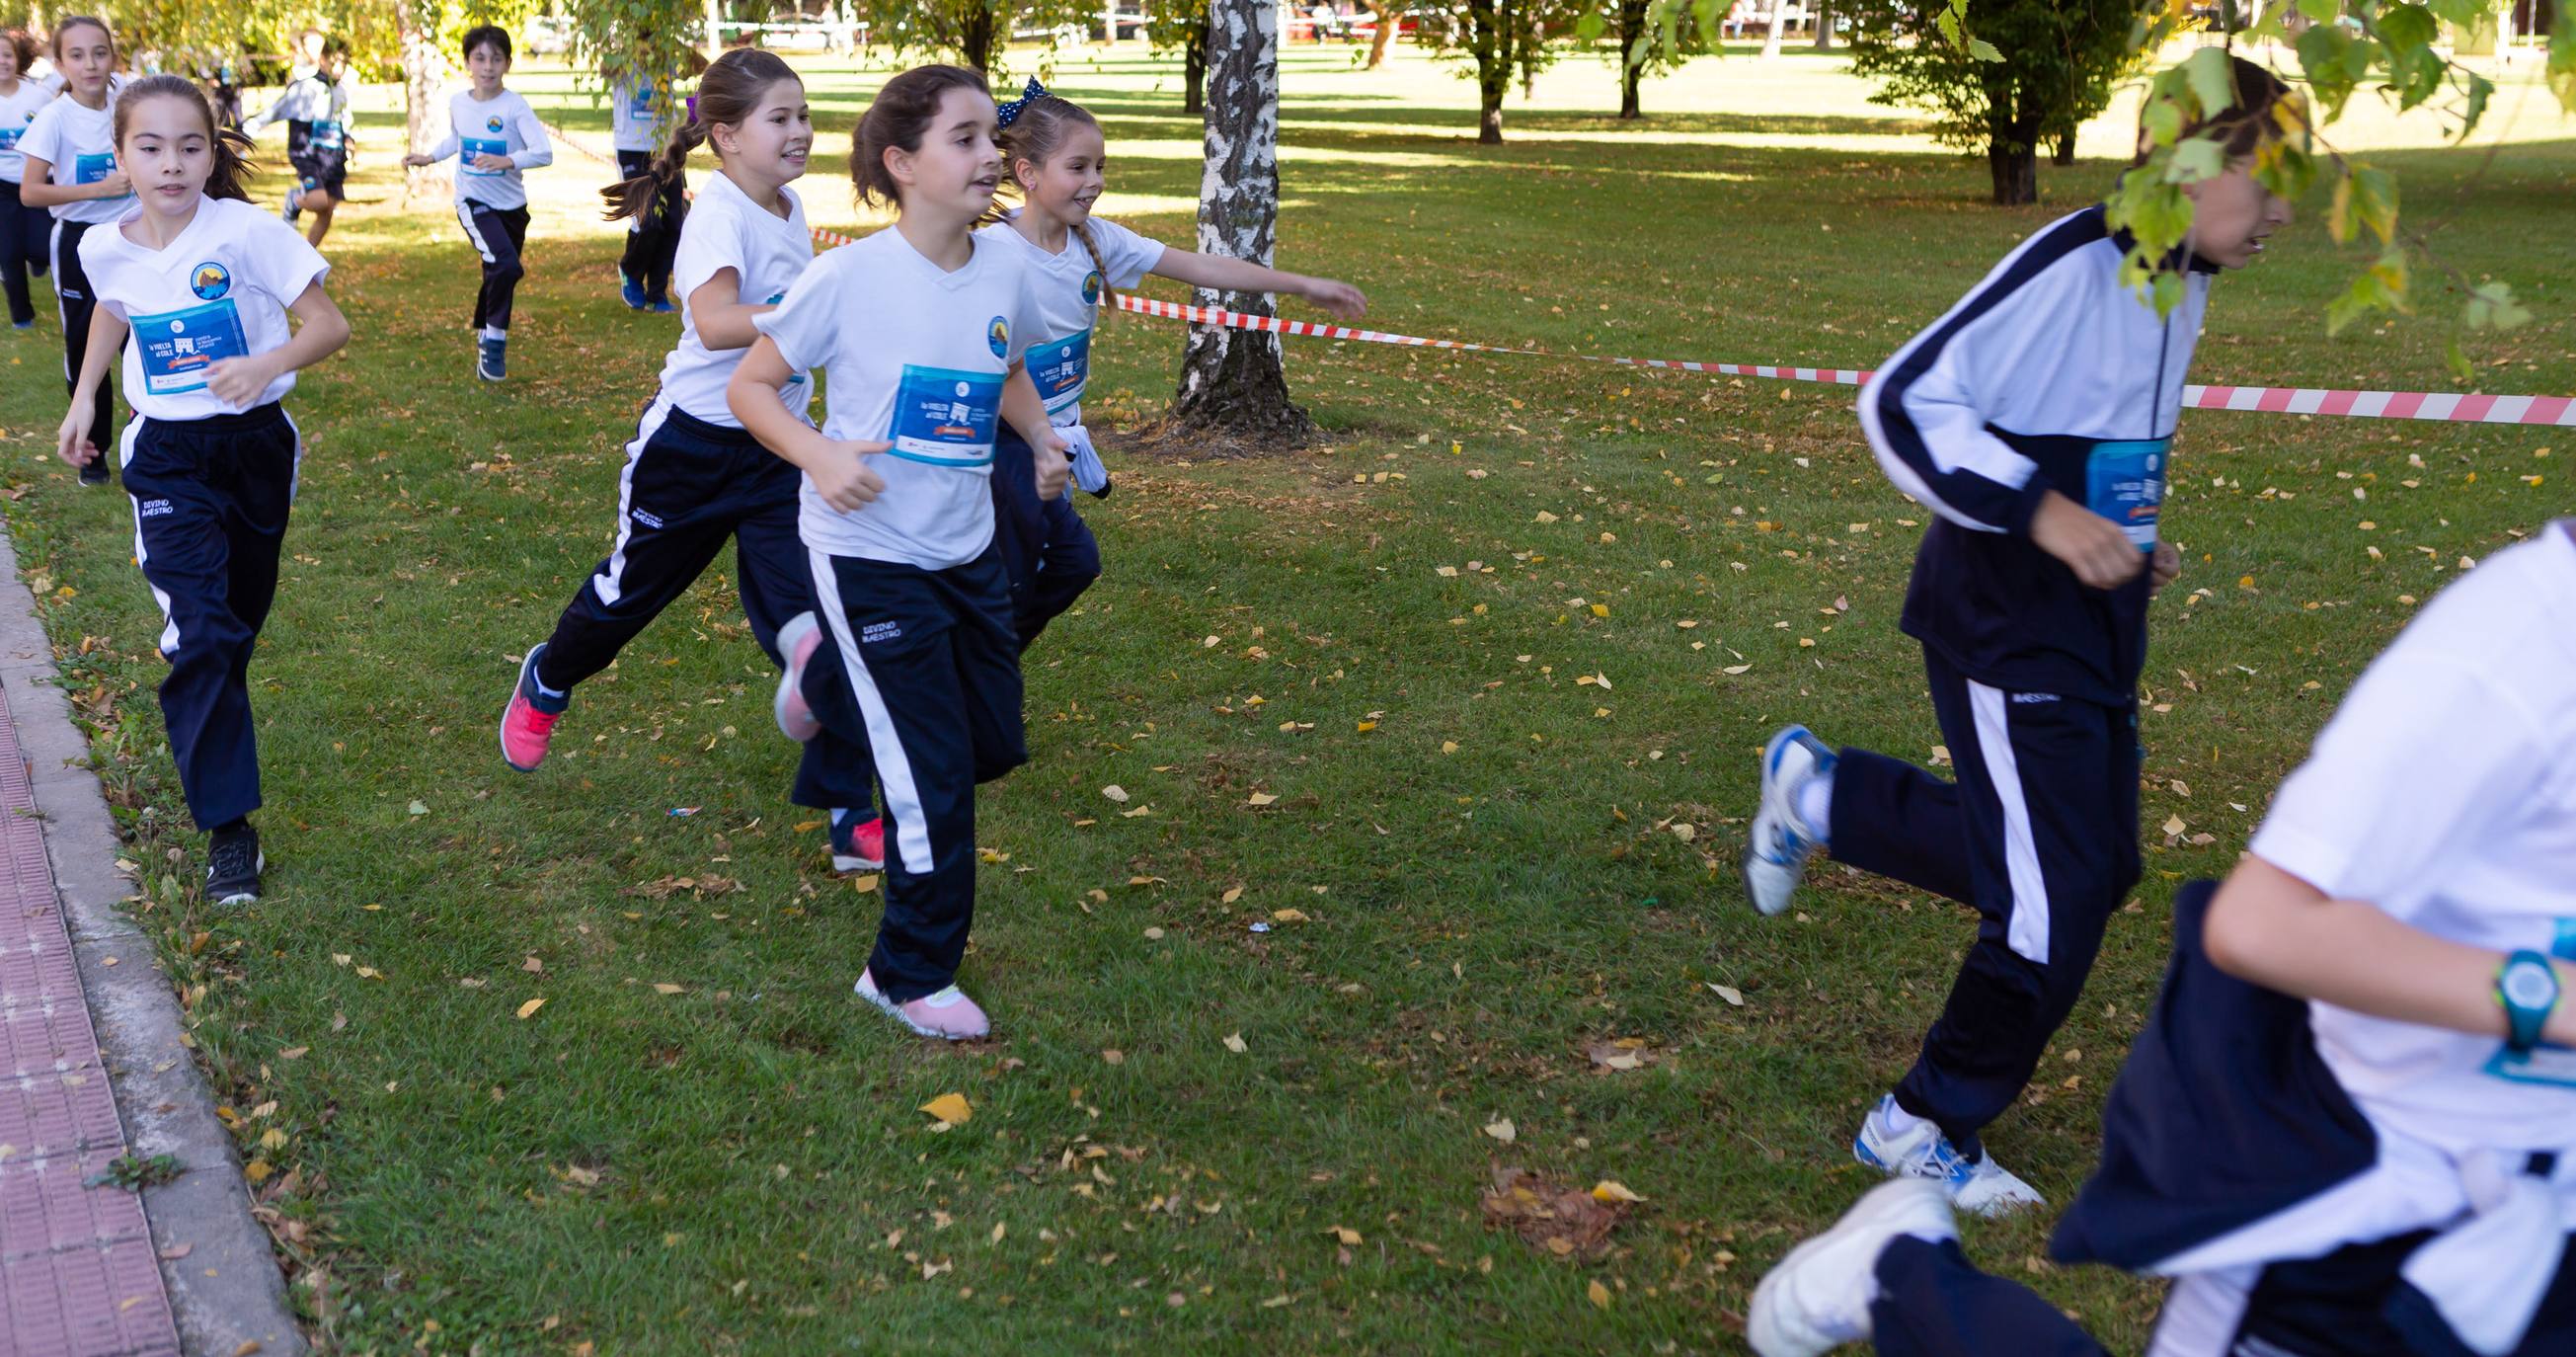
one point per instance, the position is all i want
(528, 723)
(797, 641)
(948, 1015)
(859, 847)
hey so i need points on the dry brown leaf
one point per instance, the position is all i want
(1558, 1218)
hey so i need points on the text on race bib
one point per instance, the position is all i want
(89, 169)
(326, 135)
(177, 347)
(475, 146)
(2125, 483)
(1060, 369)
(946, 418)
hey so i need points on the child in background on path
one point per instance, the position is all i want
(203, 282)
(641, 107)
(2349, 1127)
(2035, 420)
(23, 229)
(315, 109)
(693, 477)
(69, 168)
(1058, 162)
(918, 331)
(495, 136)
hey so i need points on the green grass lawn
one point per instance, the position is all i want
(1349, 683)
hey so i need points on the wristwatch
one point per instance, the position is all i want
(2527, 988)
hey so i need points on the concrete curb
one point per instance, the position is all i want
(224, 1286)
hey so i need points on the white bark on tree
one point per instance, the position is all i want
(1771, 32)
(421, 70)
(1232, 381)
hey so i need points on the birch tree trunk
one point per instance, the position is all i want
(420, 66)
(1771, 34)
(1232, 382)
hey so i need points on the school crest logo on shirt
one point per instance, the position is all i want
(492, 124)
(998, 334)
(1091, 288)
(210, 280)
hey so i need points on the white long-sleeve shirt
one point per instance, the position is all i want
(504, 126)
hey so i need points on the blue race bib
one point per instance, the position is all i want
(946, 418)
(475, 146)
(1060, 369)
(177, 347)
(89, 169)
(325, 135)
(2125, 483)
(639, 105)
(9, 138)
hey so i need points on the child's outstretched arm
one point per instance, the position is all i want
(319, 333)
(447, 146)
(1237, 275)
(76, 442)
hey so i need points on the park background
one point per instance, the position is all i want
(1380, 828)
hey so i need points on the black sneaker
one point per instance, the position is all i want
(233, 865)
(94, 471)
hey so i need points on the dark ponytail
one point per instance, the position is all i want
(228, 147)
(729, 92)
(897, 119)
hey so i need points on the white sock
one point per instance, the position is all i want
(1816, 806)
(495, 332)
(1896, 1121)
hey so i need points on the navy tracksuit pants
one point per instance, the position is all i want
(653, 235)
(923, 668)
(500, 236)
(2040, 834)
(1047, 550)
(211, 498)
(688, 486)
(26, 248)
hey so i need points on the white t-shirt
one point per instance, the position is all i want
(80, 143)
(917, 356)
(17, 111)
(635, 111)
(503, 125)
(308, 98)
(2444, 792)
(1069, 291)
(219, 291)
(725, 229)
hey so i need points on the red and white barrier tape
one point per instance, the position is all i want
(2444, 406)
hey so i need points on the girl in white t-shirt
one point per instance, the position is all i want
(495, 137)
(693, 477)
(918, 332)
(68, 157)
(642, 109)
(2350, 1125)
(201, 283)
(1057, 163)
(23, 229)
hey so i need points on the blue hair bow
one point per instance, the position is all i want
(1011, 111)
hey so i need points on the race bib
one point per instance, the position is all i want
(639, 105)
(475, 146)
(177, 347)
(89, 169)
(1060, 369)
(946, 418)
(9, 138)
(325, 136)
(2125, 483)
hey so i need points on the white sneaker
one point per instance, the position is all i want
(947, 1015)
(1818, 1297)
(1979, 1185)
(1776, 852)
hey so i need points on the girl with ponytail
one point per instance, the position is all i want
(1055, 159)
(693, 477)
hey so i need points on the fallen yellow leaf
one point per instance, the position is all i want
(1260, 799)
(1612, 1190)
(1503, 1130)
(1601, 1294)
(951, 1108)
(530, 1007)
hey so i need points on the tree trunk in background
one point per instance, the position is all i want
(979, 38)
(2012, 156)
(1387, 18)
(2066, 148)
(1489, 40)
(1771, 32)
(1194, 70)
(1633, 18)
(420, 65)
(715, 28)
(1232, 381)
(1825, 27)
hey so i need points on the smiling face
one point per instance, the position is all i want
(1068, 183)
(2233, 215)
(487, 63)
(86, 56)
(770, 144)
(958, 165)
(168, 151)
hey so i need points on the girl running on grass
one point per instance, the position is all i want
(693, 477)
(24, 229)
(2350, 1125)
(315, 109)
(1057, 163)
(203, 283)
(496, 135)
(69, 166)
(918, 332)
(641, 105)
(2035, 419)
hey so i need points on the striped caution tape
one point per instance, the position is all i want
(2443, 406)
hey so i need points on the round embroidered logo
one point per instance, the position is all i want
(492, 124)
(998, 334)
(1091, 288)
(210, 280)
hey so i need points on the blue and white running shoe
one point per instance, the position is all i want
(631, 292)
(1776, 852)
(1978, 1185)
(491, 359)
